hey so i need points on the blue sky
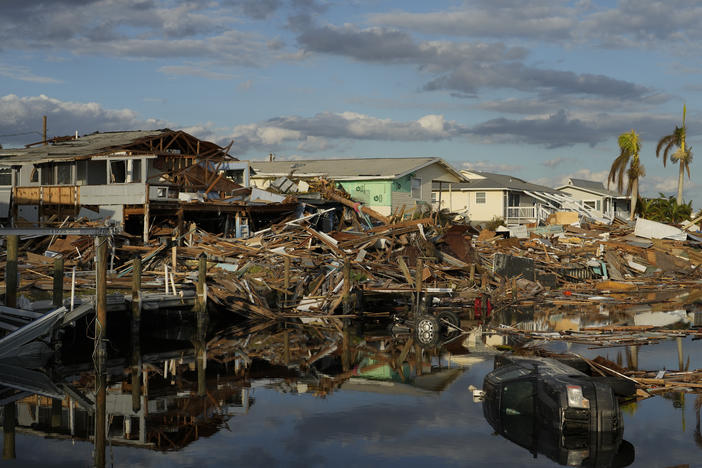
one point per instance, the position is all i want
(538, 89)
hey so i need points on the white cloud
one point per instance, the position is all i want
(23, 114)
(276, 135)
(315, 131)
(314, 144)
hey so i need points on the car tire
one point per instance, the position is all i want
(426, 331)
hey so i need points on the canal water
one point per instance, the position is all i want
(271, 401)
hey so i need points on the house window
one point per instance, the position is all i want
(513, 199)
(63, 173)
(47, 175)
(480, 198)
(34, 176)
(416, 188)
(118, 171)
(81, 172)
(590, 204)
(5, 176)
(97, 172)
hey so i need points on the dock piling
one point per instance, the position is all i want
(101, 350)
(9, 415)
(11, 280)
(58, 281)
(136, 331)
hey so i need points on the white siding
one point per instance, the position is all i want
(123, 194)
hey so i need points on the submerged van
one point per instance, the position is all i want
(552, 408)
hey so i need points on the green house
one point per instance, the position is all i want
(385, 184)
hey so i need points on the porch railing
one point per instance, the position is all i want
(517, 214)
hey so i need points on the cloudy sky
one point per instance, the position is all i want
(537, 89)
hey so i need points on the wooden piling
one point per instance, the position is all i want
(9, 414)
(174, 256)
(136, 291)
(201, 317)
(201, 357)
(286, 346)
(181, 227)
(346, 349)
(136, 332)
(100, 337)
(56, 413)
(58, 281)
(201, 300)
(11, 272)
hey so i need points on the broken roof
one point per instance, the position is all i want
(492, 181)
(592, 187)
(349, 169)
(95, 144)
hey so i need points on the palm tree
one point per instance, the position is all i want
(629, 147)
(683, 155)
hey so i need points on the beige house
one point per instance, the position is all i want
(385, 184)
(594, 196)
(487, 195)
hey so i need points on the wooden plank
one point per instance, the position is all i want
(405, 271)
(614, 266)
(26, 195)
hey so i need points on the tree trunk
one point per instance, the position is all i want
(681, 176)
(634, 197)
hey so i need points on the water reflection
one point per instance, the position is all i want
(167, 390)
(566, 317)
(162, 398)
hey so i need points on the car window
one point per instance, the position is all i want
(518, 398)
(517, 408)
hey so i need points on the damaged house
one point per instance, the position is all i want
(486, 196)
(594, 195)
(134, 178)
(387, 185)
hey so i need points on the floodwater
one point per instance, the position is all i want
(319, 398)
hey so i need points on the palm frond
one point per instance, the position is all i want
(666, 142)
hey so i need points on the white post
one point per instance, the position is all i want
(73, 287)
(130, 171)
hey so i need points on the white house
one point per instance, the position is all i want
(595, 196)
(486, 195)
